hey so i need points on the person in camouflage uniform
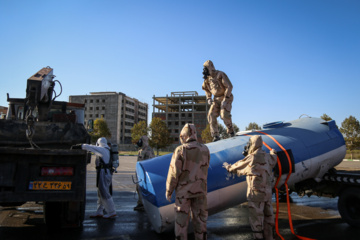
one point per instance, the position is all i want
(258, 166)
(218, 84)
(188, 177)
(145, 152)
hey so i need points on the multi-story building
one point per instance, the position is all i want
(181, 108)
(118, 110)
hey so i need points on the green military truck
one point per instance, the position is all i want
(36, 160)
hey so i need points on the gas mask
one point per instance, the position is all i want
(205, 72)
(246, 149)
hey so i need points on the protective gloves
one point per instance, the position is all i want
(226, 166)
(273, 152)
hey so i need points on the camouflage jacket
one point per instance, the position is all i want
(188, 170)
(217, 84)
(145, 153)
(257, 167)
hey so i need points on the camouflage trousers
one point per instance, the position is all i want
(199, 214)
(225, 114)
(139, 201)
(261, 219)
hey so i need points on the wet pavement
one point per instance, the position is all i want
(313, 217)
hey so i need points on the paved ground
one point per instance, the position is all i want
(312, 217)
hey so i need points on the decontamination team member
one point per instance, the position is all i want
(218, 84)
(145, 152)
(258, 166)
(187, 175)
(103, 179)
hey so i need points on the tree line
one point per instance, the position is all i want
(160, 136)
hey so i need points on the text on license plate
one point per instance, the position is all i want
(49, 185)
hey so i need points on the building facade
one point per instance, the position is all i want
(118, 110)
(181, 108)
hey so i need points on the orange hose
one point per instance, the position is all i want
(286, 187)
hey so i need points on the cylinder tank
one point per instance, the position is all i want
(313, 145)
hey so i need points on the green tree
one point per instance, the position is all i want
(100, 129)
(325, 117)
(139, 129)
(206, 135)
(160, 136)
(223, 131)
(350, 128)
(253, 125)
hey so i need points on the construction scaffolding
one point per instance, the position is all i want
(181, 108)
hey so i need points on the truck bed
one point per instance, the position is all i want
(21, 179)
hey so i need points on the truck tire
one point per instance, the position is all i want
(349, 206)
(64, 214)
(52, 214)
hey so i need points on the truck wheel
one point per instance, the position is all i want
(52, 214)
(82, 212)
(74, 214)
(349, 206)
(64, 214)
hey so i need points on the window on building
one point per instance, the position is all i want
(103, 108)
(176, 139)
(103, 100)
(169, 115)
(97, 115)
(176, 115)
(97, 108)
(176, 123)
(176, 130)
(190, 115)
(183, 123)
(91, 108)
(90, 115)
(91, 100)
(85, 100)
(183, 115)
(97, 100)
(169, 123)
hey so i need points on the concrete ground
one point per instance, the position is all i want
(312, 217)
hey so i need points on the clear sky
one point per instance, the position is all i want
(284, 58)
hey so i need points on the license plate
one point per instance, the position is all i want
(49, 185)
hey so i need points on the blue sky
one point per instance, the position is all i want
(284, 58)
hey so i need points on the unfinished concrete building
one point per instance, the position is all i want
(181, 108)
